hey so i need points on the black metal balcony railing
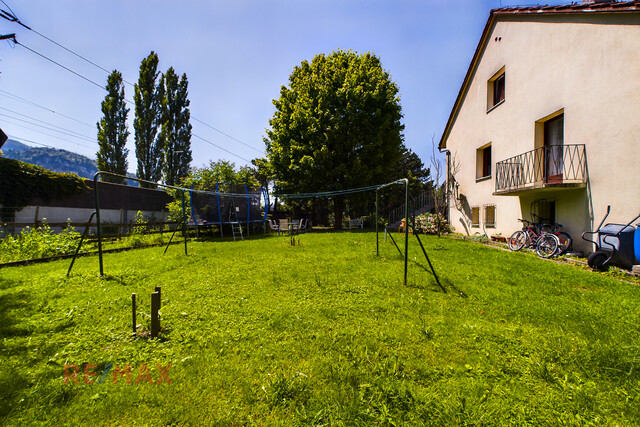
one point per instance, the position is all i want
(549, 166)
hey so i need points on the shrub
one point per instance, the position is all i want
(38, 242)
(428, 223)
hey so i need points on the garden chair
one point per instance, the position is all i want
(274, 226)
(284, 226)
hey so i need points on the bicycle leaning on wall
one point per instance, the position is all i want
(533, 236)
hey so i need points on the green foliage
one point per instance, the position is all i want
(112, 131)
(147, 120)
(29, 182)
(429, 223)
(336, 126)
(175, 133)
(222, 172)
(261, 333)
(38, 242)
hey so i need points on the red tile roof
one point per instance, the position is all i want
(604, 6)
(573, 8)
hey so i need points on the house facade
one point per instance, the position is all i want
(547, 121)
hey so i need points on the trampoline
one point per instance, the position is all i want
(239, 205)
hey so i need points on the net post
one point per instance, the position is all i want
(377, 244)
(184, 223)
(98, 224)
(406, 228)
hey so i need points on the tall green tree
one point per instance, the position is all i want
(223, 173)
(112, 131)
(147, 120)
(337, 126)
(175, 132)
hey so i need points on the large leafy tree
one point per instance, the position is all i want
(175, 132)
(223, 173)
(147, 98)
(337, 126)
(112, 130)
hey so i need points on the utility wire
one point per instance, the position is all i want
(53, 136)
(62, 130)
(33, 142)
(11, 95)
(227, 135)
(223, 149)
(60, 65)
(11, 17)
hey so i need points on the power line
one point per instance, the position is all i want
(11, 17)
(47, 134)
(223, 149)
(228, 136)
(33, 142)
(8, 94)
(60, 65)
(64, 131)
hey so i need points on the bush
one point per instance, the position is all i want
(38, 242)
(428, 224)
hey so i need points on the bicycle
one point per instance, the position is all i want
(566, 243)
(545, 244)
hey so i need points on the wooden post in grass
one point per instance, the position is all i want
(159, 291)
(155, 320)
(133, 312)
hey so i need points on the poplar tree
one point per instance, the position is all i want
(147, 98)
(112, 131)
(175, 133)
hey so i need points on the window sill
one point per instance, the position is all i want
(495, 106)
(483, 178)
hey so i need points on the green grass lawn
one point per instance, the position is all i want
(262, 332)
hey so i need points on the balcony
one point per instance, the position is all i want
(556, 166)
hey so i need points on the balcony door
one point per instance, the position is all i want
(554, 149)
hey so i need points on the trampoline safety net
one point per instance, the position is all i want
(237, 204)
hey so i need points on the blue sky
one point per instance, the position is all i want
(236, 54)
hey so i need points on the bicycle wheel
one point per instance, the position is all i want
(565, 242)
(547, 245)
(518, 240)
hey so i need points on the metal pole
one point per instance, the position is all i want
(377, 244)
(184, 225)
(406, 229)
(98, 224)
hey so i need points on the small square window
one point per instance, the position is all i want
(475, 216)
(490, 216)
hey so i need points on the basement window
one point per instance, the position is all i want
(475, 216)
(490, 216)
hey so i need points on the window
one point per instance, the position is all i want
(496, 90)
(475, 216)
(490, 216)
(483, 162)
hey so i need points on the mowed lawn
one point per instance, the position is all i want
(260, 332)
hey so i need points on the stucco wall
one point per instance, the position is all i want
(587, 66)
